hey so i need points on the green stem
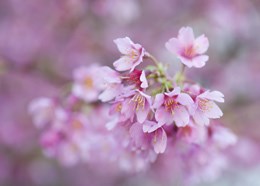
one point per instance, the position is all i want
(182, 70)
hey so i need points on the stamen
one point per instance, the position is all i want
(139, 101)
(133, 54)
(119, 107)
(205, 105)
(170, 104)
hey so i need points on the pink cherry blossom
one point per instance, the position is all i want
(132, 54)
(193, 133)
(188, 49)
(222, 136)
(42, 111)
(157, 139)
(171, 107)
(138, 104)
(205, 108)
(112, 83)
(87, 85)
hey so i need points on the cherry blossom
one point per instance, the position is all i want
(88, 84)
(170, 107)
(205, 108)
(132, 54)
(188, 49)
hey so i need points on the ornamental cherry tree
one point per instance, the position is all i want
(131, 115)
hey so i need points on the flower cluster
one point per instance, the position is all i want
(136, 111)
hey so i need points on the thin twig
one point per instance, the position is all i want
(148, 55)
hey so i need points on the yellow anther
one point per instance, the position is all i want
(133, 54)
(170, 103)
(119, 107)
(139, 101)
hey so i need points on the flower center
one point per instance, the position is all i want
(88, 82)
(189, 52)
(139, 101)
(133, 54)
(204, 105)
(170, 104)
(119, 107)
(77, 125)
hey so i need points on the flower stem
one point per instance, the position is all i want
(182, 70)
(152, 58)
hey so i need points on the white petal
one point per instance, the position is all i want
(124, 63)
(124, 45)
(201, 44)
(143, 80)
(184, 99)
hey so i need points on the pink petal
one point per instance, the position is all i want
(200, 61)
(110, 92)
(137, 135)
(186, 61)
(163, 117)
(124, 45)
(181, 116)
(143, 80)
(200, 118)
(186, 36)
(173, 45)
(109, 75)
(88, 95)
(159, 141)
(184, 99)
(175, 91)
(142, 113)
(127, 109)
(112, 123)
(137, 62)
(158, 101)
(201, 44)
(150, 126)
(214, 111)
(124, 63)
(223, 137)
(214, 95)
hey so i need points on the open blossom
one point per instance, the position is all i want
(87, 85)
(138, 104)
(188, 49)
(159, 137)
(42, 110)
(222, 136)
(192, 133)
(132, 54)
(171, 107)
(205, 108)
(155, 139)
(112, 83)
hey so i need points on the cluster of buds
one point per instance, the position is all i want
(134, 112)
